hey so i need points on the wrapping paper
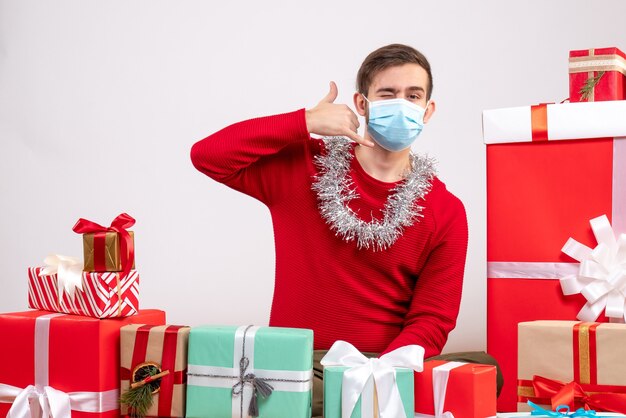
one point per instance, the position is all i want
(333, 377)
(219, 356)
(108, 251)
(589, 63)
(76, 354)
(590, 354)
(165, 346)
(540, 193)
(103, 295)
(470, 390)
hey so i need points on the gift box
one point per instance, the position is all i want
(597, 74)
(149, 350)
(237, 371)
(100, 295)
(465, 390)
(68, 363)
(359, 387)
(550, 169)
(107, 248)
(578, 364)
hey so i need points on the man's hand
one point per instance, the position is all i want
(330, 119)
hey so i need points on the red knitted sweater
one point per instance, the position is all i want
(376, 300)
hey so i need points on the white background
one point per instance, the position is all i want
(100, 102)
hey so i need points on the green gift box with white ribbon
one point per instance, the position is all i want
(249, 371)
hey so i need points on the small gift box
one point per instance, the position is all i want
(64, 365)
(108, 248)
(61, 288)
(359, 387)
(597, 75)
(249, 371)
(464, 390)
(550, 169)
(578, 364)
(148, 351)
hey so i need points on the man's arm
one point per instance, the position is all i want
(437, 293)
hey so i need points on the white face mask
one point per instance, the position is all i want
(395, 123)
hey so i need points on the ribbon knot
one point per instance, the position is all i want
(560, 411)
(44, 402)
(259, 386)
(69, 271)
(381, 370)
(118, 225)
(601, 277)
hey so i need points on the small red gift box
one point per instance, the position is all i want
(69, 363)
(597, 75)
(464, 389)
(550, 169)
(103, 295)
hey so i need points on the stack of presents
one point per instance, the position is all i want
(556, 186)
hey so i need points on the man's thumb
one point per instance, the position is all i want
(332, 94)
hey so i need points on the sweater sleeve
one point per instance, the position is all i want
(243, 155)
(437, 293)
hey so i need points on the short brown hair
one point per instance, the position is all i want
(391, 56)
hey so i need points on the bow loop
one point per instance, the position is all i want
(69, 271)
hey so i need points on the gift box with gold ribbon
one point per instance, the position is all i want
(578, 364)
(153, 370)
(597, 74)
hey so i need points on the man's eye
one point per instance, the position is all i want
(414, 97)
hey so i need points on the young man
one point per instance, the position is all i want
(370, 245)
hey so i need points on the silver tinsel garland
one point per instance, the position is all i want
(335, 189)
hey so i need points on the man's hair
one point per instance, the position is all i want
(391, 56)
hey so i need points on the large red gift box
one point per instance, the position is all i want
(103, 295)
(550, 169)
(465, 390)
(604, 66)
(52, 357)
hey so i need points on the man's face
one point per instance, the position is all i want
(407, 81)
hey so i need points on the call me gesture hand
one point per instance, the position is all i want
(328, 118)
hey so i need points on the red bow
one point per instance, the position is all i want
(573, 395)
(119, 225)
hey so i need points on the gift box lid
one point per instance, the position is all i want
(597, 59)
(563, 121)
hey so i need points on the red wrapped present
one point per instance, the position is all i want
(597, 74)
(550, 169)
(64, 364)
(464, 390)
(149, 350)
(100, 295)
(578, 364)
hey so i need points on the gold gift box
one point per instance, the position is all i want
(111, 249)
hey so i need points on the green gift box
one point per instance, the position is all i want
(235, 369)
(333, 379)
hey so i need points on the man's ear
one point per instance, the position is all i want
(430, 109)
(359, 103)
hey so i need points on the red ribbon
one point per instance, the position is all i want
(573, 395)
(539, 122)
(119, 225)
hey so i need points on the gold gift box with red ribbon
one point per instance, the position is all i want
(597, 74)
(579, 364)
(149, 350)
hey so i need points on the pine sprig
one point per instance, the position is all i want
(586, 90)
(140, 399)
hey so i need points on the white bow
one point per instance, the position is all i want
(381, 369)
(601, 278)
(32, 402)
(69, 271)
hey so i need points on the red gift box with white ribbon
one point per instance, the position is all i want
(550, 170)
(62, 365)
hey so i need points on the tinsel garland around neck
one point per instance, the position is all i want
(335, 189)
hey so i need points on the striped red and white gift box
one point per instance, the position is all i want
(103, 295)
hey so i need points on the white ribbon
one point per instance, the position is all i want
(440, 386)
(43, 401)
(382, 370)
(601, 277)
(69, 271)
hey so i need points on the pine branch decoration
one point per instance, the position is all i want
(139, 397)
(587, 89)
